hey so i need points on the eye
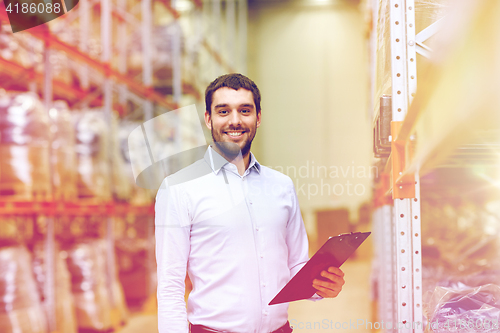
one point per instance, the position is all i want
(223, 112)
(245, 111)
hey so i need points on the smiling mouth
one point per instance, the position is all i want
(234, 134)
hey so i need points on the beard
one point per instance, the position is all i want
(231, 150)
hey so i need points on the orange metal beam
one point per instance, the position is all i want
(216, 56)
(50, 40)
(403, 184)
(76, 208)
(146, 92)
(60, 88)
(191, 90)
(168, 5)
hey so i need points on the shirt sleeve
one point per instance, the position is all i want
(172, 232)
(296, 237)
(296, 240)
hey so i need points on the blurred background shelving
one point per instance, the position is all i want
(76, 233)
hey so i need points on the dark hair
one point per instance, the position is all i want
(234, 81)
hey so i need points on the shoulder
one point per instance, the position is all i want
(176, 187)
(188, 174)
(276, 177)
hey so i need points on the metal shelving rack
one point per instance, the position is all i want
(397, 220)
(428, 128)
(115, 87)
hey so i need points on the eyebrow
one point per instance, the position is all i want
(218, 106)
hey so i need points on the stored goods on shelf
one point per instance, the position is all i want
(122, 184)
(92, 155)
(64, 303)
(102, 172)
(20, 306)
(24, 147)
(161, 54)
(96, 296)
(28, 51)
(465, 310)
(139, 195)
(461, 238)
(460, 247)
(63, 155)
(134, 270)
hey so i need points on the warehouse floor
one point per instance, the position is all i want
(349, 312)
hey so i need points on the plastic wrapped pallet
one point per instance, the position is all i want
(64, 304)
(162, 57)
(23, 49)
(63, 155)
(98, 301)
(93, 181)
(466, 238)
(24, 147)
(464, 310)
(460, 246)
(101, 171)
(28, 51)
(132, 258)
(122, 186)
(138, 195)
(20, 307)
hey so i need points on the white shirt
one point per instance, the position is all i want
(241, 239)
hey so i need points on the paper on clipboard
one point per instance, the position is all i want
(334, 252)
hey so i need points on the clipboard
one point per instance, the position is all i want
(334, 252)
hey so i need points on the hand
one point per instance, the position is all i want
(331, 288)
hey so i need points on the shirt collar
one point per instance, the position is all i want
(216, 161)
(254, 163)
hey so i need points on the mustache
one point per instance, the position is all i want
(240, 128)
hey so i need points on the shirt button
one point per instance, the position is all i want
(263, 285)
(257, 229)
(262, 256)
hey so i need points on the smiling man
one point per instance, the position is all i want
(233, 225)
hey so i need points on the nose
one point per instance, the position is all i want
(235, 118)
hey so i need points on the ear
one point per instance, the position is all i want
(258, 118)
(208, 121)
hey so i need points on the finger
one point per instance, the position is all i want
(325, 292)
(333, 277)
(327, 285)
(321, 283)
(336, 271)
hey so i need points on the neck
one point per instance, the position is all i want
(241, 162)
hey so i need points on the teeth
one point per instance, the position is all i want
(234, 133)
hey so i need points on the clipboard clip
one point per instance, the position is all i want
(348, 234)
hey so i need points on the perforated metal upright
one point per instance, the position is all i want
(84, 12)
(405, 188)
(106, 26)
(216, 13)
(384, 248)
(230, 32)
(242, 34)
(49, 285)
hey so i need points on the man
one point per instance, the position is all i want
(234, 226)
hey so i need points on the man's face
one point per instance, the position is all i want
(234, 121)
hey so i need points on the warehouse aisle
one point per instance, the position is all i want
(351, 309)
(344, 313)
